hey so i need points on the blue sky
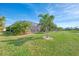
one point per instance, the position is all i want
(66, 15)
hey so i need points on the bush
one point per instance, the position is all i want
(19, 27)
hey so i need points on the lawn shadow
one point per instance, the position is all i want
(6, 33)
(20, 41)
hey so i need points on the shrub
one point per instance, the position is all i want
(19, 27)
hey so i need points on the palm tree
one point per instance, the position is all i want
(46, 23)
(2, 23)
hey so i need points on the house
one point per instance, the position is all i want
(35, 28)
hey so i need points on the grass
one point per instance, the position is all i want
(64, 43)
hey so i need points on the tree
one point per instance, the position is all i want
(2, 23)
(46, 22)
(60, 28)
(19, 27)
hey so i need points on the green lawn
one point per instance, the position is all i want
(64, 44)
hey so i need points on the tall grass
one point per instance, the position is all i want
(64, 43)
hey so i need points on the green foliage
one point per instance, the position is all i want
(2, 19)
(19, 27)
(60, 29)
(46, 22)
(2, 23)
